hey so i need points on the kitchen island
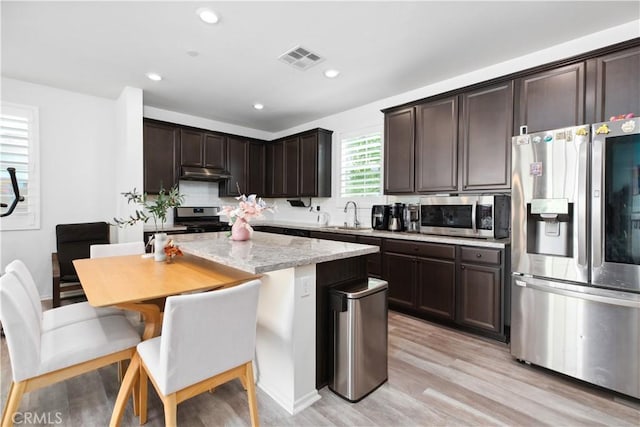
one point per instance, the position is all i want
(293, 270)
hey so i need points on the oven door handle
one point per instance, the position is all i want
(474, 207)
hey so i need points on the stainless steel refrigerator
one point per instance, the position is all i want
(575, 291)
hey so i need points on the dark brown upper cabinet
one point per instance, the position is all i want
(399, 151)
(275, 169)
(191, 147)
(300, 165)
(486, 126)
(161, 156)
(462, 143)
(291, 166)
(246, 163)
(237, 160)
(204, 149)
(616, 78)
(215, 151)
(437, 146)
(551, 99)
(256, 168)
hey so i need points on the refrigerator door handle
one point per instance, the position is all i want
(583, 224)
(621, 302)
(596, 204)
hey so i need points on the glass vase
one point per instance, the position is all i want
(159, 242)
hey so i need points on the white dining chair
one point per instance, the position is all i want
(116, 249)
(207, 340)
(60, 316)
(40, 358)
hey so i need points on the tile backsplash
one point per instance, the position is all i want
(199, 193)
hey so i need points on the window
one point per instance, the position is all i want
(361, 166)
(19, 150)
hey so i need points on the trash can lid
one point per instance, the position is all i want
(360, 289)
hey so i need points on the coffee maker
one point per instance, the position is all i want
(412, 218)
(380, 217)
(396, 219)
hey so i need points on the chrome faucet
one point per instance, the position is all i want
(356, 223)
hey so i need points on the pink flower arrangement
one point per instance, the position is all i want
(248, 207)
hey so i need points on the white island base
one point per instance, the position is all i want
(285, 361)
(286, 337)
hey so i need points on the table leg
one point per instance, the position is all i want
(128, 383)
(152, 318)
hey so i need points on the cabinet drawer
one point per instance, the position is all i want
(480, 255)
(429, 250)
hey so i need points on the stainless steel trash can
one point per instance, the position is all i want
(360, 338)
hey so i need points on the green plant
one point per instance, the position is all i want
(151, 208)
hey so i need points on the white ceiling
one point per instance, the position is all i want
(381, 48)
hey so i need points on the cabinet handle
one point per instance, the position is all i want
(462, 267)
(478, 255)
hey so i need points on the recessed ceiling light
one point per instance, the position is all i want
(207, 15)
(258, 106)
(154, 76)
(331, 74)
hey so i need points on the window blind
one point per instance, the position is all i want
(361, 161)
(18, 139)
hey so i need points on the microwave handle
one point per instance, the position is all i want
(474, 226)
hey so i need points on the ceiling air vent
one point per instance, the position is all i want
(300, 58)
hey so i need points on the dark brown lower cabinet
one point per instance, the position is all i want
(479, 297)
(457, 285)
(374, 261)
(436, 286)
(399, 272)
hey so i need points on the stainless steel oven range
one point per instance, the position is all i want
(199, 219)
(576, 252)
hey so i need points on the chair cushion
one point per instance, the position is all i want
(25, 277)
(73, 242)
(72, 313)
(83, 341)
(22, 327)
(149, 352)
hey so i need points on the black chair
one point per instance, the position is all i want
(73, 242)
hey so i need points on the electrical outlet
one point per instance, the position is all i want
(307, 283)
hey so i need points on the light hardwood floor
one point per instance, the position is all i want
(437, 377)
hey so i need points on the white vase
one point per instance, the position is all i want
(159, 242)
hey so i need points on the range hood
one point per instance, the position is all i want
(195, 173)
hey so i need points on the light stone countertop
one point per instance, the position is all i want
(416, 237)
(266, 252)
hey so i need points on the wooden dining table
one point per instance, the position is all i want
(131, 282)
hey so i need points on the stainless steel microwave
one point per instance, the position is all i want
(483, 216)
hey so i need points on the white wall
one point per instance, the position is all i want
(128, 152)
(78, 169)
